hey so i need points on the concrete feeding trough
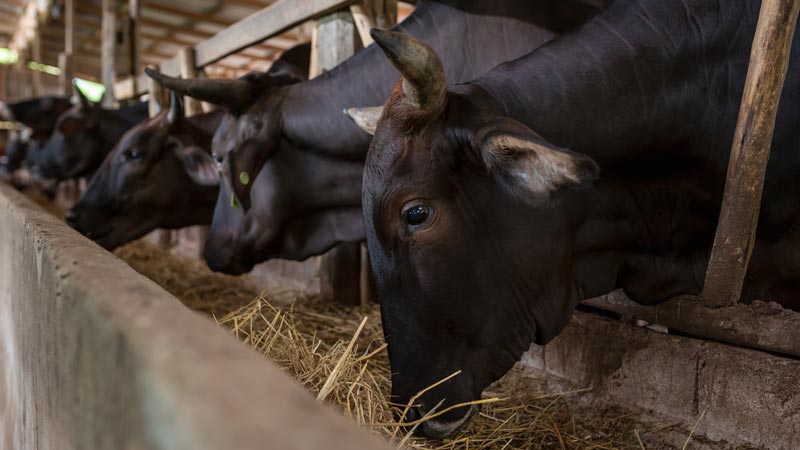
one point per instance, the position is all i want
(95, 356)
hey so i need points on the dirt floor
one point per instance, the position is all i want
(324, 347)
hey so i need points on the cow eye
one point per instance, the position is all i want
(219, 159)
(417, 214)
(133, 154)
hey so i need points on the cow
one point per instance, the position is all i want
(307, 198)
(594, 163)
(84, 135)
(40, 116)
(161, 174)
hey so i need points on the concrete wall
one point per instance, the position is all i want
(94, 356)
(748, 397)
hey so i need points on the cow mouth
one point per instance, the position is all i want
(435, 429)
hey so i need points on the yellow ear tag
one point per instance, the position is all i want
(234, 202)
(244, 177)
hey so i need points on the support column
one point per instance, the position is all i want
(741, 203)
(192, 106)
(335, 39)
(107, 50)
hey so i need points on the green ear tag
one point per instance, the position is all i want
(234, 202)
(244, 177)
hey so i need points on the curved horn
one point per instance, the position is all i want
(176, 112)
(423, 74)
(234, 94)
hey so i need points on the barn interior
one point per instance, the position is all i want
(202, 358)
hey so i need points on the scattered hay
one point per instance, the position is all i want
(310, 339)
(340, 357)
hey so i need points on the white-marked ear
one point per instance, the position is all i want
(198, 164)
(530, 167)
(366, 118)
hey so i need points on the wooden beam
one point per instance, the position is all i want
(107, 52)
(266, 23)
(761, 326)
(741, 203)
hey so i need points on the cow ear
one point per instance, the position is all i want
(366, 118)
(528, 166)
(199, 165)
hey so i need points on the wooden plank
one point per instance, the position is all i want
(735, 237)
(264, 24)
(761, 326)
(107, 51)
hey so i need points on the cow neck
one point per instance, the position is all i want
(617, 92)
(625, 80)
(470, 45)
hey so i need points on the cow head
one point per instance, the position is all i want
(75, 146)
(159, 175)
(254, 159)
(468, 243)
(39, 114)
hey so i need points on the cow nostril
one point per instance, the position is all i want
(412, 415)
(73, 217)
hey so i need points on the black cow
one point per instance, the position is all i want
(307, 198)
(38, 114)
(84, 135)
(161, 174)
(597, 162)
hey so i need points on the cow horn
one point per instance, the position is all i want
(176, 112)
(235, 94)
(423, 74)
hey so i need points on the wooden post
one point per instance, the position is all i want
(188, 69)
(65, 78)
(157, 98)
(335, 39)
(192, 106)
(367, 15)
(36, 55)
(107, 52)
(69, 27)
(735, 237)
(385, 12)
(66, 60)
(133, 18)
